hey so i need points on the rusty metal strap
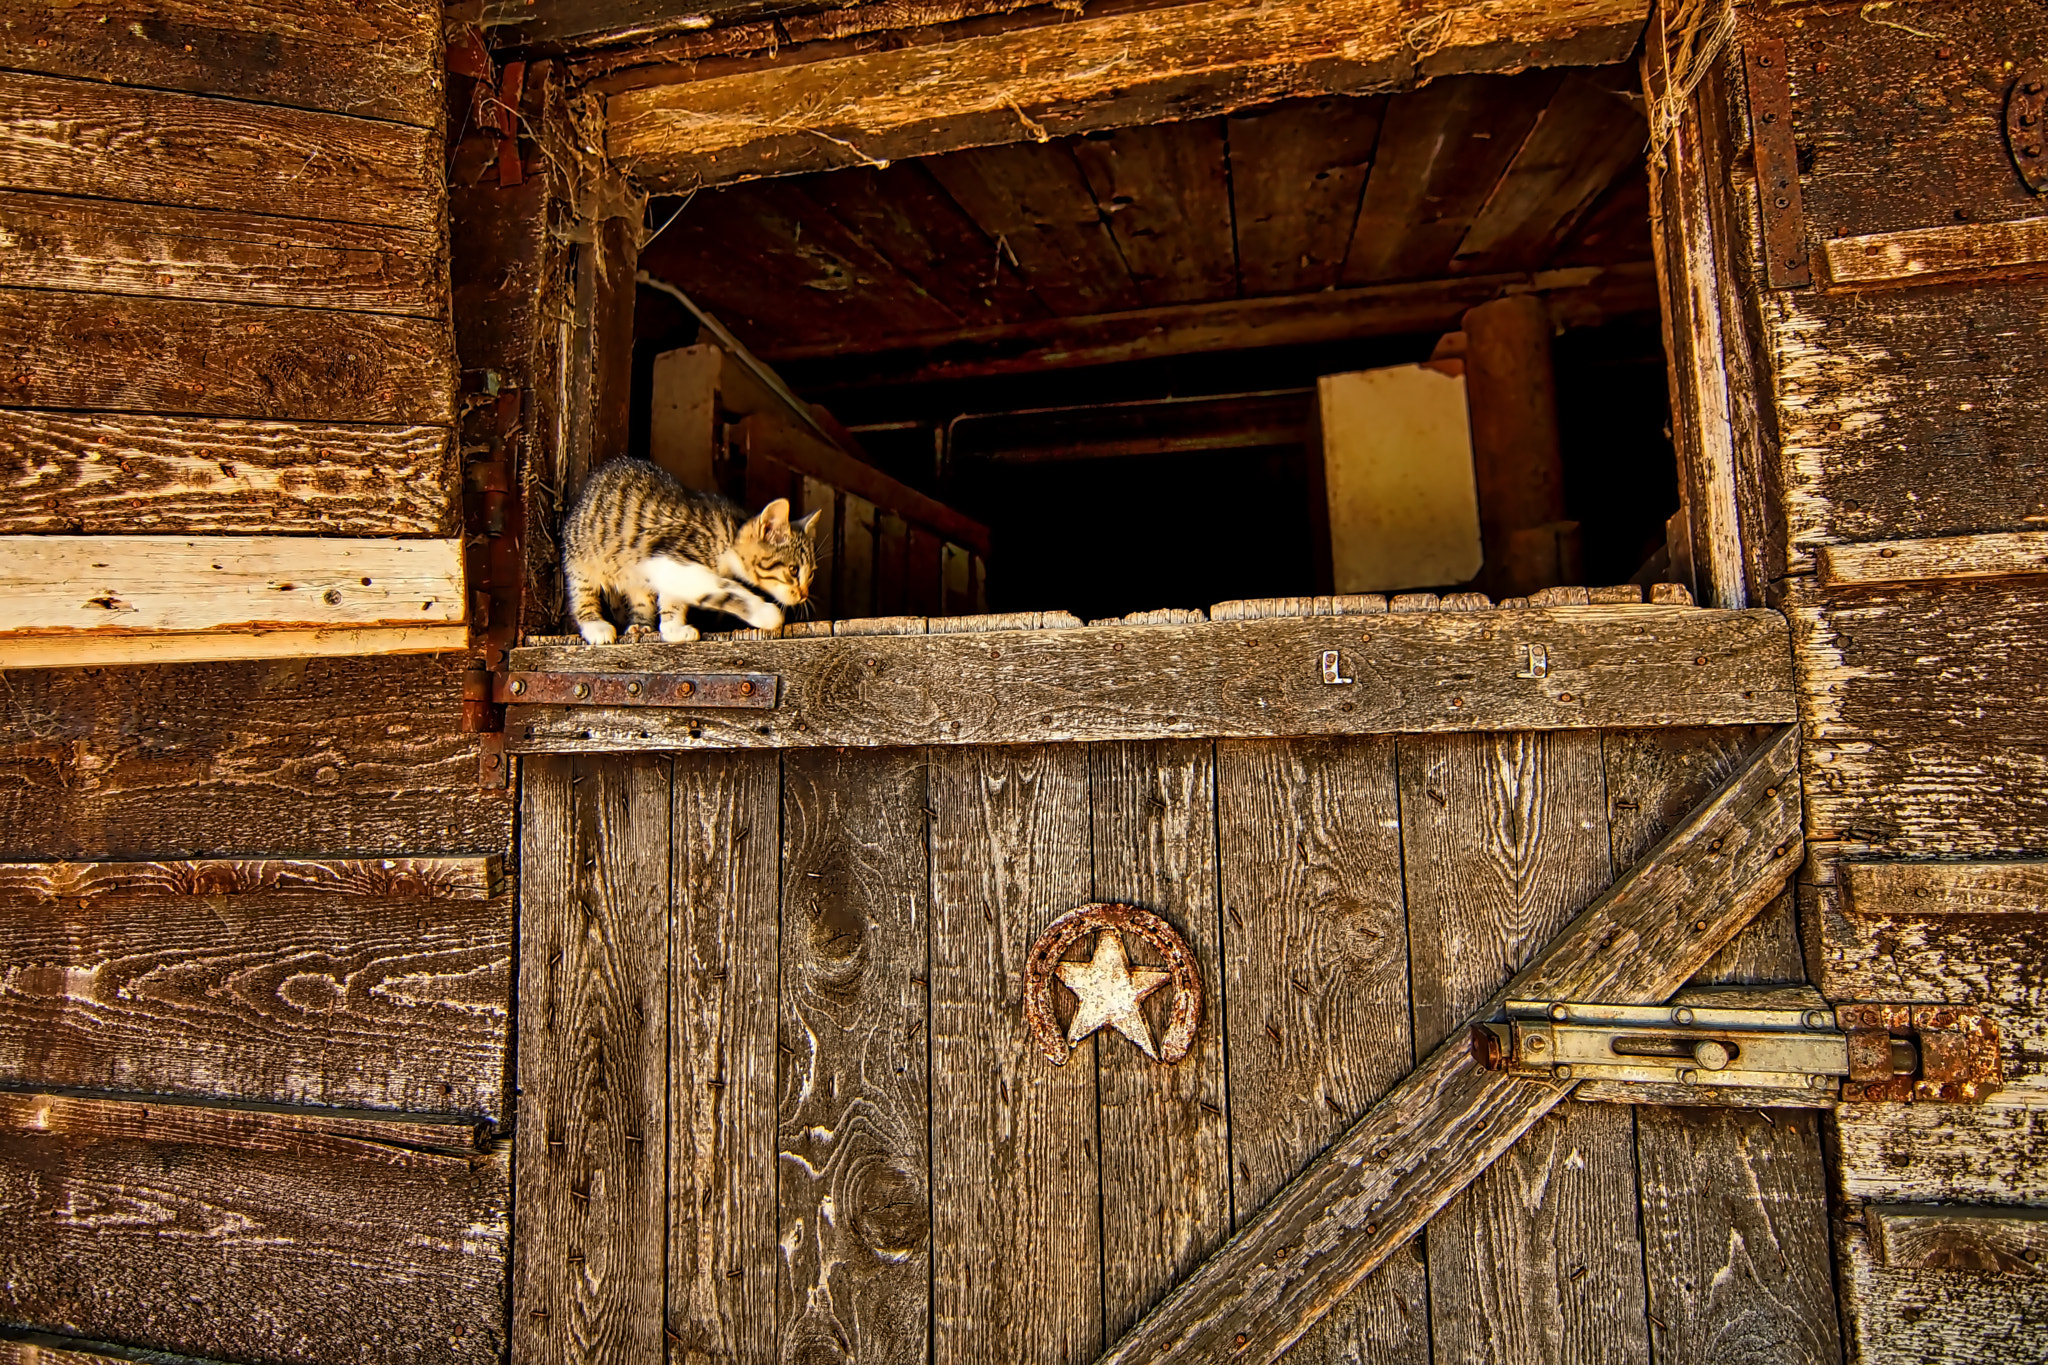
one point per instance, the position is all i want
(1786, 261)
(740, 691)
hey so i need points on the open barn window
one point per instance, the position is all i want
(1218, 358)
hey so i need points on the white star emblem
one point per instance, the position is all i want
(1108, 989)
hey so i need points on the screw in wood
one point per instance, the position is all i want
(582, 690)
(633, 689)
(689, 689)
(1699, 925)
(746, 689)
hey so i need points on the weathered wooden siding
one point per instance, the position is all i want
(937, 1187)
(223, 231)
(1887, 471)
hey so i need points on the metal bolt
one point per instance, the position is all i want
(1816, 1019)
(746, 689)
(633, 689)
(1681, 1015)
(519, 687)
(1819, 1082)
(1699, 926)
(1532, 1043)
(1687, 1076)
(582, 689)
(686, 689)
(1712, 1054)
(1564, 1073)
(1560, 1012)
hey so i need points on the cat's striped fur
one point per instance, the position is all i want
(638, 539)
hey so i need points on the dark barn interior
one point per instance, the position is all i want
(1106, 347)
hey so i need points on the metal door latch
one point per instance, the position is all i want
(1937, 1053)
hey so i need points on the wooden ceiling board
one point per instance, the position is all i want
(1441, 151)
(1034, 198)
(1297, 172)
(1586, 139)
(1166, 192)
(713, 253)
(1616, 228)
(903, 214)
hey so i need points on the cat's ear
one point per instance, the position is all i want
(773, 520)
(803, 528)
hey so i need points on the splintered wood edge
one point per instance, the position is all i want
(1659, 922)
(396, 878)
(246, 1128)
(2004, 554)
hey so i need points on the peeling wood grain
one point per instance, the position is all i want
(724, 982)
(328, 1135)
(41, 1348)
(93, 473)
(178, 356)
(1926, 715)
(119, 585)
(592, 1061)
(57, 242)
(1315, 974)
(351, 756)
(1423, 671)
(1917, 255)
(2006, 555)
(358, 1248)
(1907, 1317)
(1900, 888)
(1908, 413)
(373, 58)
(1973, 1239)
(1356, 1203)
(357, 1000)
(854, 1122)
(110, 142)
(398, 878)
(1101, 72)
(1994, 1153)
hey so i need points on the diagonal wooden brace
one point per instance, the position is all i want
(1393, 1170)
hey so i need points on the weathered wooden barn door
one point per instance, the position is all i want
(781, 1100)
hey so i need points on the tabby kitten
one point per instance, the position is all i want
(638, 536)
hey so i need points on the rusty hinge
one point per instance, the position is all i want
(750, 691)
(1938, 1053)
(2025, 109)
(485, 718)
(1787, 263)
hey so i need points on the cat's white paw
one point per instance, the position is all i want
(678, 632)
(764, 615)
(599, 632)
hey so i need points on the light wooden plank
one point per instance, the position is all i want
(206, 646)
(822, 498)
(1315, 993)
(55, 242)
(373, 58)
(2016, 888)
(1016, 1237)
(1503, 841)
(807, 454)
(723, 989)
(1973, 1239)
(1153, 813)
(1423, 671)
(96, 473)
(593, 1064)
(179, 356)
(321, 1223)
(1898, 1316)
(854, 1161)
(395, 878)
(82, 137)
(1994, 1153)
(1919, 254)
(1098, 72)
(121, 585)
(1999, 555)
(857, 558)
(1387, 1175)
(172, 979)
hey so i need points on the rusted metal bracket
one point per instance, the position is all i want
(2025, 109)
(1931, 1053)
(744, 691)
(1787, 263)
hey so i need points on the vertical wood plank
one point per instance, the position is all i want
(1315, 990)
(1014, 1178)
(853, 1137)
(958, 581)
(1734, 1202)
(921, 559)
(1164, 1130)
(587, 1242)
(857, 558)
(1504, 839)
(723, 988)
(823, 498)
(892, 547)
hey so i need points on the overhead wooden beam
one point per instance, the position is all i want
(789, 115)
(1390, 1173)
(1581, 296)
(1414, 671)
